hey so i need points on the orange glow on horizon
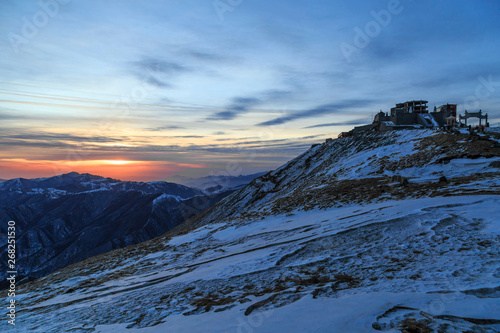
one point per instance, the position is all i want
(119, 162)
(118, 169)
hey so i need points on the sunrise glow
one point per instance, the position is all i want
(118, 169)
(117, 162)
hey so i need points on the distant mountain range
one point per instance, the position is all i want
(211, 183)
(64, 219)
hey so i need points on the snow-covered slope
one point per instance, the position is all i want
(365, 168)
(355, 235)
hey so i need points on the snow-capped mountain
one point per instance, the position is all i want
(383, 232)
(74, 182)
(64, 219)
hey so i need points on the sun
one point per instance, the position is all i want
(118, 162)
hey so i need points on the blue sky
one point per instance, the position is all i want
(202, 87)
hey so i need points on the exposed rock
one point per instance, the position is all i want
(495, 164)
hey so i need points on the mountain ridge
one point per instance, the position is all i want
(394, 165)
(64, 219)
(418, 223)
(74, 182)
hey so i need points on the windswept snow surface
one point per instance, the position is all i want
(333, 241)
(351, 269)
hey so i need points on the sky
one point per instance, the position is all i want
(145, 90)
